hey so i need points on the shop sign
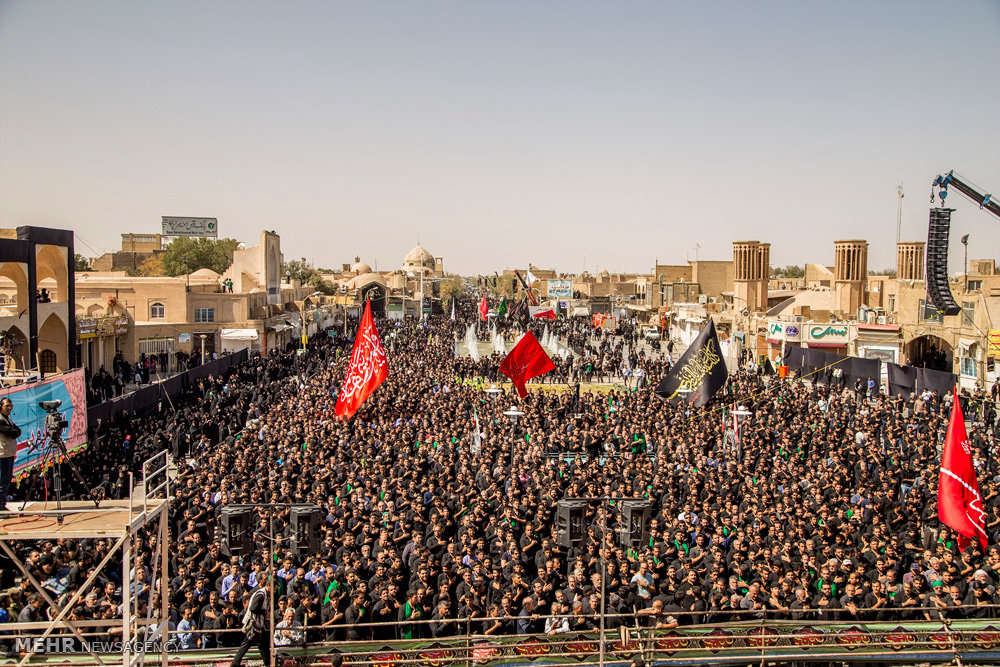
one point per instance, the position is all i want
(792, 332)
(86, 327)
(828, 333)
(91, 327)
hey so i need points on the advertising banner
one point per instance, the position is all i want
(175, 226)
(560, 289)
(33, 447)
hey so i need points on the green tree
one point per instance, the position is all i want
(303, 271)
(186, 255)
(450, 289)
(298, 269)
(80, 263)
(790, 271)
(317, 282)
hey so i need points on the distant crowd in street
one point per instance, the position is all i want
(823, 508)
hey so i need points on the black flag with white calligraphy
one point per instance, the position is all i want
(699, 373)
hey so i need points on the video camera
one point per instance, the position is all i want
(54, 420)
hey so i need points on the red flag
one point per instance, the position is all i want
(367, 369)
(483, 308)
(598, 320)
(547, 314)
(525, 361)
(960, 506)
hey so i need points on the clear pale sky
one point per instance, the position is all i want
(502, 132)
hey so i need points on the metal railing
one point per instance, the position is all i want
(743, 641)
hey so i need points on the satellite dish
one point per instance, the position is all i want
(745, 312)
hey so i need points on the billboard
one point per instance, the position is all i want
(560, 289)
(175, 226)
(33, 445)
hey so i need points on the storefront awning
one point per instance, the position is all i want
(239, 334)
(278, 328)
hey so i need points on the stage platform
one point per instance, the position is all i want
(80, 519)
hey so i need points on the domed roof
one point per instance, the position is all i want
(360, 268)
(419, 255)
(206, 273)
(365, 279)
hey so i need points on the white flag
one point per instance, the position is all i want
(452, 310)
(477, 438)
(530, 278)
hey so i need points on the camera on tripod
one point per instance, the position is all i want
(54, 420)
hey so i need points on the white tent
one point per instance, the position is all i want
(234, 340)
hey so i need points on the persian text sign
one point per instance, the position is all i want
(827, 333)
(175, 226)
(560, 289)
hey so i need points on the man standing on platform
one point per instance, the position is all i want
(9, 433)
(255, 626)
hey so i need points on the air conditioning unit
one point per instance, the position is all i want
(881, 319)
(703, 299)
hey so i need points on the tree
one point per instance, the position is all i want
(303, 271)
(885, 272)
(450, 289)
(152, 266)
(186, 255)
(316, 281)
(297, 269)
(80, 263)
(790, 271)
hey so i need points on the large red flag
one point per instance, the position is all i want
(960, 506)
(484, 309)
(525, 361)
(367, 369)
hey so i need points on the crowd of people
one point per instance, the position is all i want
(440, 513)
(125, 376)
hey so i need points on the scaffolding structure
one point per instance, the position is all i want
(118, 520)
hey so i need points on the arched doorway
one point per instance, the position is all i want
(50, 266)
(18, 275)
(377, 294)
(929, 351)
(53, 336)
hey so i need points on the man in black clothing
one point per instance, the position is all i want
(357, 613)
(9, 433)
(255, 627)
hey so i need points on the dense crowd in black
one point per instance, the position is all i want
(826, 510)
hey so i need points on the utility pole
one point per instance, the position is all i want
(899, 211)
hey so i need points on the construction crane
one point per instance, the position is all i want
(985, 201)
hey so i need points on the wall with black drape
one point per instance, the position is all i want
(146, 400)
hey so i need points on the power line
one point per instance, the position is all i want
(84, 242)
